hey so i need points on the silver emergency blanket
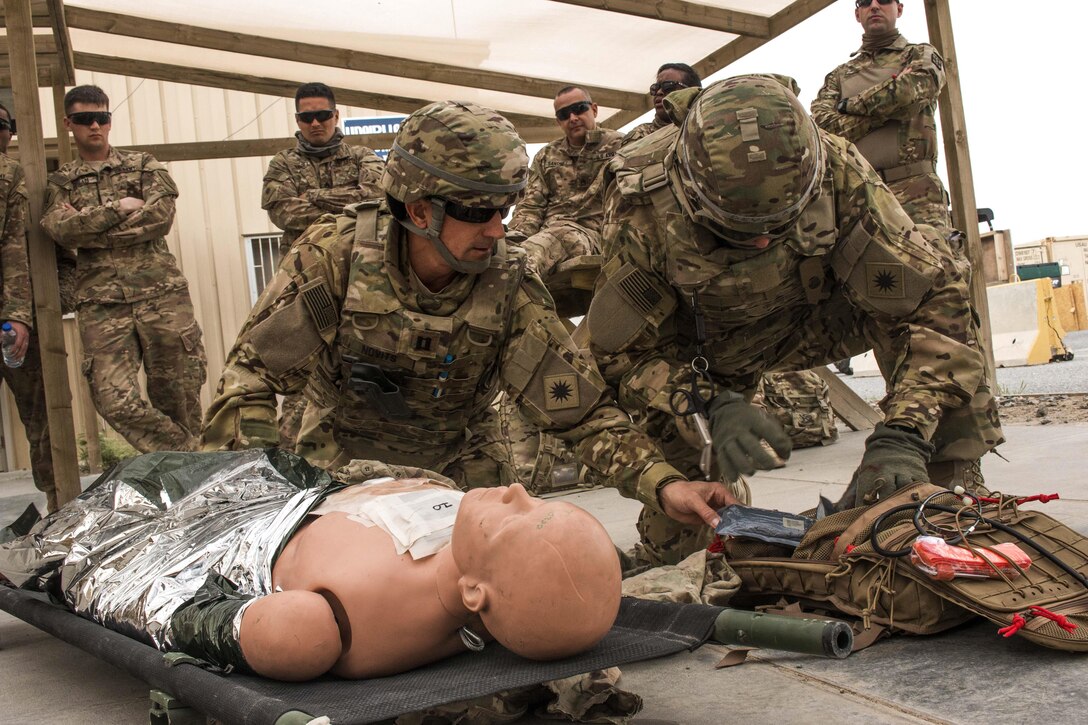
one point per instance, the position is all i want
(141, 541)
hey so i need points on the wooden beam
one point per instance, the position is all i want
(685, 13)
(732, 51)
(204, 150)
(268, 86)
(43, 44)
(43, 260)
(323, 55)
(957, 158)
(39, 15)
(848, 405)
(62, 41)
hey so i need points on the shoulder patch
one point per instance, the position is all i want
(318, 300)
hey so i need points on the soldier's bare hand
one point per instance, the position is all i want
(695, 502)
(22, 338)
(129, 204)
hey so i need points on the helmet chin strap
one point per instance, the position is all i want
(433, 232)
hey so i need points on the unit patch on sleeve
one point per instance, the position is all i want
(885, 280)
(561, 391)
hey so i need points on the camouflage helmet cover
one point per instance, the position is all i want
(749, 156)
(459, 151)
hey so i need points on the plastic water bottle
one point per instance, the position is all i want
(7, 344)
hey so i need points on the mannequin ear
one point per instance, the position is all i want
(419, 212)
(474, 594)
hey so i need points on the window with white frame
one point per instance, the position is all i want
(262, 258)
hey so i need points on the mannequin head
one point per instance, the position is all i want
(543, 575)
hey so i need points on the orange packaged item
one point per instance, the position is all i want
(942, 561)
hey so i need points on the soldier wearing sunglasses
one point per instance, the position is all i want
(114, 208)
(320, 175)
(883, 100)
(402, 325)
(16, 307)
(671, 77)
(559, 218)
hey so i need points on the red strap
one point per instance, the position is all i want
(1040, 497)
(1019, 621)
(1058, 619)
(717, 545)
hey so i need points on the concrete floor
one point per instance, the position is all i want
(969, 675)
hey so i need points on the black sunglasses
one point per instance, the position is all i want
(473, 214)
(6, 125)
(310, 116)
(573, 109)
(89, 118)
(867, 3)
(666, 87)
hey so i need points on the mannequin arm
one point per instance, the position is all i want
(290, 635)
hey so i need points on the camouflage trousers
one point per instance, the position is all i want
(556, 243)
(835, 330)
(801, 402)
(162, 336)
(924, 199)
(26, 386)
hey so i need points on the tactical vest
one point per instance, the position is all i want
(881, 146)
(736, 288)
(446, 367)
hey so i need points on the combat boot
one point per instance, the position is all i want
(967, 474)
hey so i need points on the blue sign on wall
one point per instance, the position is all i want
(372, 125)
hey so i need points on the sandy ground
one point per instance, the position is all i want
(1044, 409)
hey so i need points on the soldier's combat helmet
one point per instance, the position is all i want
(457, 152)
(750, 159)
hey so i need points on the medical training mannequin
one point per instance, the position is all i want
(541, 577)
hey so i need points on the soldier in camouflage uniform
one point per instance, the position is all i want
(753, 241)
(883, 99)
(16, 307)
(404, 324)
(559, 220)
(320, 175)
(113, 208)
(559, 217)
(670, 77)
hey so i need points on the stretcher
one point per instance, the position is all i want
(643, 630)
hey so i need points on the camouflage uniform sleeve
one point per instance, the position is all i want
(557, 386)
(368, 187)
(73, 229)
(918, 84)
(13, 252)
(154, 219)
(918, 300)
(827, 116)
(287, 207)
(301, 303)
(529, 215)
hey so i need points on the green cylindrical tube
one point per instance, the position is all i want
(791, 634)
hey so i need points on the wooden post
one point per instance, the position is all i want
(43, 259)
(957, 158)
(848, 405)
(86, 403)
